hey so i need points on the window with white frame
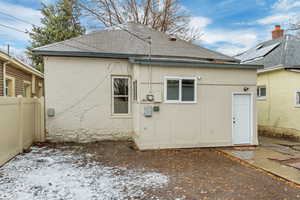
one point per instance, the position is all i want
(120, 95)
(297, 98)
(180, 90)
(9, 86)
(27, 89)
(261, 92)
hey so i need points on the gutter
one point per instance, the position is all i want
(107, 55)
(4, 77)
(192, 63)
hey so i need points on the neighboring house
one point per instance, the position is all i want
(278, 83)
(105, 85)
(17, 78)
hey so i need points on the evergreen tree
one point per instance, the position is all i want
(60, 22)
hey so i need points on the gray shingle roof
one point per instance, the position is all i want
(120, 41)
(283, 51)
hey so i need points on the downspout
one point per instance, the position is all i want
(4, 77)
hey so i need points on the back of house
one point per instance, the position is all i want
(131, 81)
(278, 83)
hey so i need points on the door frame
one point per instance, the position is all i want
(251, 115)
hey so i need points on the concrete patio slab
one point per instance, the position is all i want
(271, 156)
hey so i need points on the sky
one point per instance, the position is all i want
(227, 26)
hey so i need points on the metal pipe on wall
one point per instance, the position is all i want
(4, 77)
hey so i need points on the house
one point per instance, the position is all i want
(278, 83)
(18, 78)
(131, 81)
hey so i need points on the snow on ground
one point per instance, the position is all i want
(55, 174)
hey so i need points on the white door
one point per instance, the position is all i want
(241, 119)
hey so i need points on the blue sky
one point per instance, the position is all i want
(228, 26)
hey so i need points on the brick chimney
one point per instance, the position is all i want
(277, 32)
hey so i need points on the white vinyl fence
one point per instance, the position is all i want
(21, 124)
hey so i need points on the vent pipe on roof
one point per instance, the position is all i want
(277, 32)
(172, 38)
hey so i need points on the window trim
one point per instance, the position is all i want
(179, 101)
(297, 105)
(112, 96)
(29, 84)
(261, 97)
(134, 91)
(12, 79)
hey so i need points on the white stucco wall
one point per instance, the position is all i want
(203, 124)
(79, 89)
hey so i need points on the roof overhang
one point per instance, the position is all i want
(191, 63)
(279, 67)
(20, 65)
(109, 55)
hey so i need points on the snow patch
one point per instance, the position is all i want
(54, 174)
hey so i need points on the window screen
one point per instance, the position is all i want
(181, 90)
(188, 90)
(120, 95)
(261, 91)
(172, 90)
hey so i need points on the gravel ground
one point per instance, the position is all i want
(114, 170)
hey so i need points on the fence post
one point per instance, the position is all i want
(21, 123)
(42, 119)
(36, 120)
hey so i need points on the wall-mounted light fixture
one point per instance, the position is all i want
(246, 89)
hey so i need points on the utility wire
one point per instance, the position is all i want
(12, 28)
(16, 18)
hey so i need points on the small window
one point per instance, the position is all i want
(27, 89)
(40, 90)
(298, 98)
(261, 92)
(10, 86)
(120, 95)
(180, 90)
(134, 86)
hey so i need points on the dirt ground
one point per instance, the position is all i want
(192, 174)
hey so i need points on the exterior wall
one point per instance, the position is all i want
(20, 76)
(205, 123)
(1, 79)
(79, 89)
(278, 115)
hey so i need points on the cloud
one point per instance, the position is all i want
(229, 42)
(286, 4)
(283, 18)
(200, 22)
(27, 14)
(282, 12)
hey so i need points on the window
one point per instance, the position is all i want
(134, 86)
(26, 89)
(297, 98)
(120, 95)
(261, 92)
(40, 90)
(180, 90)
(9, 86)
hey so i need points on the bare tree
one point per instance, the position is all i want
(167, 16)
